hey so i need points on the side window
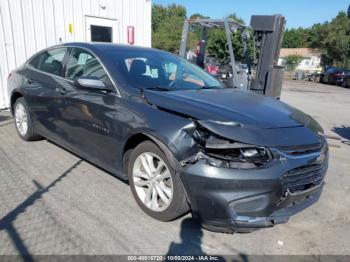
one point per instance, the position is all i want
(149, 70)
(81, 63)
(170, 71)
(187, 74)
(50, 61)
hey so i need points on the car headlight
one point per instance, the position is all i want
(221, 152)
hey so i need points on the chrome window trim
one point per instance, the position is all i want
(45, 73)
(66, 79)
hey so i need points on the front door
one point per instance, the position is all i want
(89, 116)
(101, 30)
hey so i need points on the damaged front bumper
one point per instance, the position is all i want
(234, 200)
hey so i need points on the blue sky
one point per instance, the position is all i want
(302, 13)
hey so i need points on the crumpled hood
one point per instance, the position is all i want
(229, 106)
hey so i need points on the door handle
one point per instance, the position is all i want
(61, 90)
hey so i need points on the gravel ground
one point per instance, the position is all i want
(52, 202)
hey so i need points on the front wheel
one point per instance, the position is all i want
(154, 184)
(23, 121)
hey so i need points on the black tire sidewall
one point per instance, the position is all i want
(178, 205)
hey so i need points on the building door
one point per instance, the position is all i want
(101, 30)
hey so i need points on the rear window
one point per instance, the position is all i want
(49, 61)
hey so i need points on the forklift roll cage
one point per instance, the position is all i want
(268, 34)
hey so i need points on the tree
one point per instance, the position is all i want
(177, 10)
(217, 43)
(316, 37)
(336, 45)
(292, 62)
(198, 16)
(159, 14)
(331, 38)
(168, 35)
(295, 38)
(195, 32)
(167, 23)
(235, 17)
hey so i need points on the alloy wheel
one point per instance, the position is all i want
(152, 181)
(21, 119)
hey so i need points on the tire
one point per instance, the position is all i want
(23, 121)
(144, 193)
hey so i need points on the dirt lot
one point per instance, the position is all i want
(52, 202)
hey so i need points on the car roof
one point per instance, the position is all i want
(335, 68)
(99, 46)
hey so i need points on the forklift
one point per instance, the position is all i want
(264, 74)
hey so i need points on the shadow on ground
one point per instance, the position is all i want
(343, 131)
(6, 222)
(4, 118)
(126, 182)
(191, 234)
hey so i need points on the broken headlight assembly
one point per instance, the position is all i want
(221, 152)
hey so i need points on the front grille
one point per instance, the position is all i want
(301, 150)
(303, 178)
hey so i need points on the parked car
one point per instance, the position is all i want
(333, 76)
(313, 77)
(299, 75)
(347, 79)
(239, 161)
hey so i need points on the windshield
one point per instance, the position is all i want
(159, 70)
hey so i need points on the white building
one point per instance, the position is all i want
(27, 26)
(311, 59)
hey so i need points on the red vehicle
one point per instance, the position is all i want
(212, 66)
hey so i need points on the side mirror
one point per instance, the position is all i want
(92, 83)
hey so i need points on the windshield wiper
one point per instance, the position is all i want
(159, 88)
(211, 87)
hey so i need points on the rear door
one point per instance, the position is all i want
(43, 84)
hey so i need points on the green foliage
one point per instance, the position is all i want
(159, 14)
(331, 38)
(316, 37)
(198, 16)
(294, 38)
(235, 17)
(168, 35)
(217, 43)
(167, 23)
(336, 46)
(292, 62)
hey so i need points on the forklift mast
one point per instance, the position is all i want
(268, 34)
